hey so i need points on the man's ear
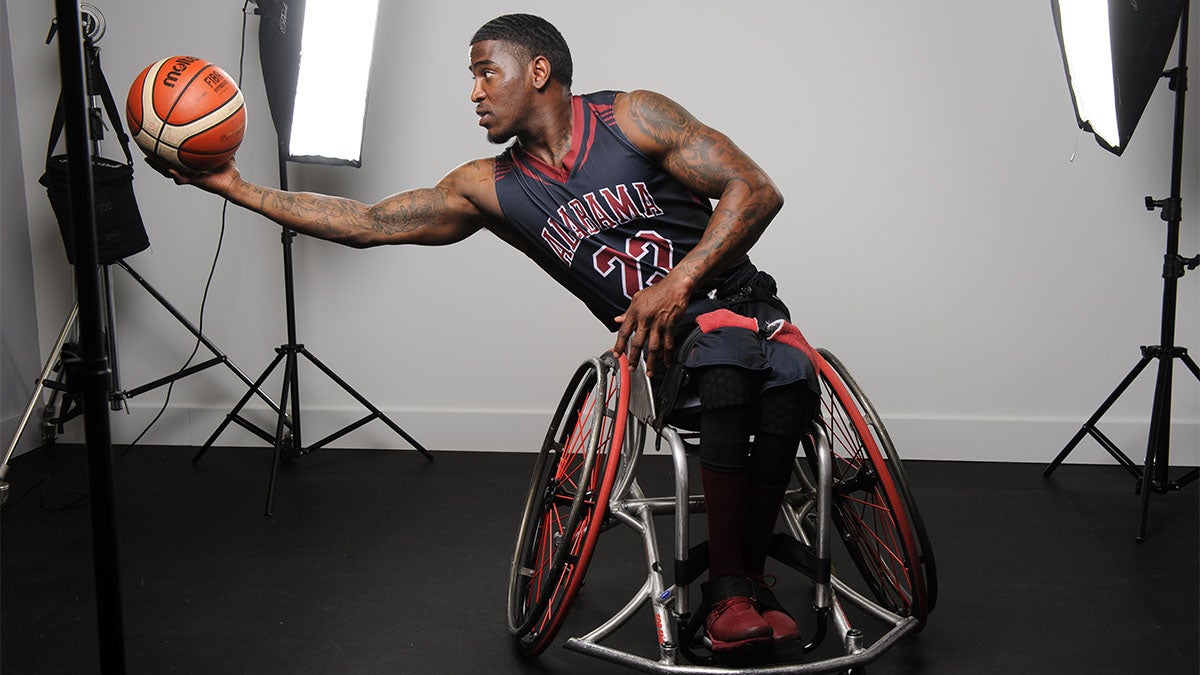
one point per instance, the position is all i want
(540, 68)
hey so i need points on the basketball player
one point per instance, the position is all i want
(611, 194)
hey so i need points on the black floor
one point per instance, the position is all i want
(382, 562)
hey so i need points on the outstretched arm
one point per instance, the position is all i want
(448, 212)
(710, 165)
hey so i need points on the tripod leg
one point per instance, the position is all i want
(366, 404)
(293, 380)
(1147, 483)
(1191, 476)
(194, 331)
(234, 414)
(116, 401)
(289, 371)
(1145, 512)
(1159, 443)
(37, 390)
(1090, 425)
(1191, 365)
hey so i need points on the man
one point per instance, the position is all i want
(610, 193)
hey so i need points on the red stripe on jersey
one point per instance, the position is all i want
(501, 169)
(605, 112)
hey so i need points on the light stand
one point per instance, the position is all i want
(280, 26)
(1153, 475)
(92, 366)
(53, 418)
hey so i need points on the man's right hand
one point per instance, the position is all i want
(217, 181)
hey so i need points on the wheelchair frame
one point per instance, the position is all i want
(560, 528)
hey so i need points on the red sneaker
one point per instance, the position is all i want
(782, 624)
(734, 623)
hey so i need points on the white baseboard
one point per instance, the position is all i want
(1033, 440)
(962, 439)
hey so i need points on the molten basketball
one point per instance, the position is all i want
(187, 112)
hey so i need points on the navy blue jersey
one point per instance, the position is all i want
(608, 225)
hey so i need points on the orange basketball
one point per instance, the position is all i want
(187, 112)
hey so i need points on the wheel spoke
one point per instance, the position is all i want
(871, 511)
(588, 423)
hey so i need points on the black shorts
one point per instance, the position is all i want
(780, 364)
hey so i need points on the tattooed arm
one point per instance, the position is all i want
(710, 165)
(459, 205)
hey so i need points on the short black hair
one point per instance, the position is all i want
(535, 35)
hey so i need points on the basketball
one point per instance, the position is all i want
(187, 112)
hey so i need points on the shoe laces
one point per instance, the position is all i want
(731, 603)
(767, 581)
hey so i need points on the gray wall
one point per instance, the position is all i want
(987, 292)
(19, 358)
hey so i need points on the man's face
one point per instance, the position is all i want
(502, 88)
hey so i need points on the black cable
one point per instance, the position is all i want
(211, 272)
(80, 499)
(199, 329)
(13, 502)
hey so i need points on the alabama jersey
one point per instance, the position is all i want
(608, 224)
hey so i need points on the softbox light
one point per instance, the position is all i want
(1114, 53)
(316, 64)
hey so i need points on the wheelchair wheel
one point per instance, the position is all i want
(873, 507)
(568, 497)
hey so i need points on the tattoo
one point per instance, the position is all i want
(657, 118)
(417, 216)
(317, 215)
(708, 164)
(410, 212)
(700, 157)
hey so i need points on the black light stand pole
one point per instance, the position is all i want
(1153, 476)
(290, 351)
(92, 367)
(91, 58)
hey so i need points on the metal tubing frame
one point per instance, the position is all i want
(637, 512)
(37, 390)
(824, 594)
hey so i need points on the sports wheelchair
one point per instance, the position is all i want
(848, 481)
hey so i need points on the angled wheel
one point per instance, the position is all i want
(874, 510)
(568, 497)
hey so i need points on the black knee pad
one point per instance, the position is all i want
(784, 411)
(771, 462)
(725, 386)
(725, 438)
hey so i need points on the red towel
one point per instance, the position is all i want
(779, 330)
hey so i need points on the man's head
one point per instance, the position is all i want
(521, 68)
(533, 36)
